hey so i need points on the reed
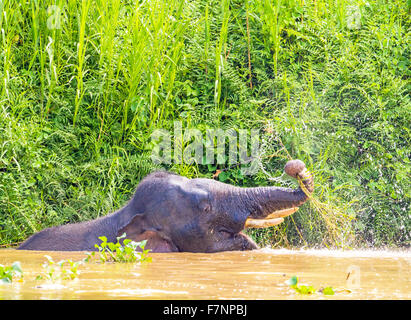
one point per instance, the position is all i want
(81, 55)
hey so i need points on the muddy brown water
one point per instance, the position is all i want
(259, 274)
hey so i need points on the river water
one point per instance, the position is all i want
(259, 274)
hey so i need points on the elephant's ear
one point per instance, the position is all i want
(156, 242)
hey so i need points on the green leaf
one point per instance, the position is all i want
(142, 244)
(328, 291)
(61, 263)
(103, 238)
(17, 267)
(121, 237)
(112, 246)
(49, 259)
(305, 289)
(223, 176)
(292, 281)
(238, 174)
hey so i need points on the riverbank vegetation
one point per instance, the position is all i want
(85, 83)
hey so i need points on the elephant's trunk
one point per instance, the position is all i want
(263, 201)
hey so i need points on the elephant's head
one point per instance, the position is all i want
(204, 215)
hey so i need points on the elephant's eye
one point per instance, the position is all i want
(205, 206)
(225, 233)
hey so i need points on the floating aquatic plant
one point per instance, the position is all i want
(62, 270)
(8, 272)
(302, 289)
(328, 291)
(305, 289)
(126, 252)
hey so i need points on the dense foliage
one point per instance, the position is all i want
(85, 83)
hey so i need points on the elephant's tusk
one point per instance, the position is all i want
(281, 213)
(260, 223)
(271, 220)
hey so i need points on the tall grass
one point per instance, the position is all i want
(221, 51)
(83, 84)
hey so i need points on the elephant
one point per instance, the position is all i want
(177, 214)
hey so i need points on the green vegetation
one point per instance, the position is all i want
(83, 84)
(126, 252)
(69, 269)
(62, 270)
(301, 289)
(8, 272)
(328, 291)
(304, 289)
